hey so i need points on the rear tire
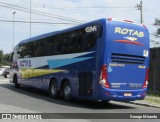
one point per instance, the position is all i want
(105, 101)
(15, 80)
(66, 91)
(53, 89)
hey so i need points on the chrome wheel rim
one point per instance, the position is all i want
(53, 89)
(67, 90)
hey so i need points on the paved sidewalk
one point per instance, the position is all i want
(4, 80)
(1, 77)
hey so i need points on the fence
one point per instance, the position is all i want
(154, 71)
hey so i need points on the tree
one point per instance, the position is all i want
(157, 24)
(1, 57)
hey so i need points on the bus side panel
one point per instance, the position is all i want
(80, 74)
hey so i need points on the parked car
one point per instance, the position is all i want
(1, 70)
(6, 73)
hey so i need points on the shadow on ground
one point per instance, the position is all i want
(43, 95)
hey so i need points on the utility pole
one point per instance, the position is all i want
(140, 7)
(30, 19)
(13, 27)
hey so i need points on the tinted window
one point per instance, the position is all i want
(25, 51)
(89, 40)
(39, 48)
(72, 42)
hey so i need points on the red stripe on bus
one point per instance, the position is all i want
(129, 42)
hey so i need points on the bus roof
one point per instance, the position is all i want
(61, 31)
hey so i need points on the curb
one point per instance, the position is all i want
(145, 103)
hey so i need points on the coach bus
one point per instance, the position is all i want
(102, 60)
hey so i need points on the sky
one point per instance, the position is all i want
(52, 15)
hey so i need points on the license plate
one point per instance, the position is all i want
(127, 94)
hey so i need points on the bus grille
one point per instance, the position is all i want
(125, 58)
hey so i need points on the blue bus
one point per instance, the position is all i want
(102, 60)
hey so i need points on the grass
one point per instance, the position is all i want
(153, 95)
(153, 98)
(157, 101)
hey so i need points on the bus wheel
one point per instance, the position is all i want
(53, 89)
(15, 81)
(66, 91)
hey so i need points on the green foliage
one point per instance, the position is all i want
(154, 95)
(3, 59)
(157, 24)
(1, 56)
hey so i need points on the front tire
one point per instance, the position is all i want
(66, 91)
(53, 89)
(15, 80)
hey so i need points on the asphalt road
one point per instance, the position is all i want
(29, 100)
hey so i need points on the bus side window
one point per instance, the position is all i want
(74, 42)
(53, 46)
(37, 48)
(20, 52)
(25, 50)
(61, 44)
(89, 40)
